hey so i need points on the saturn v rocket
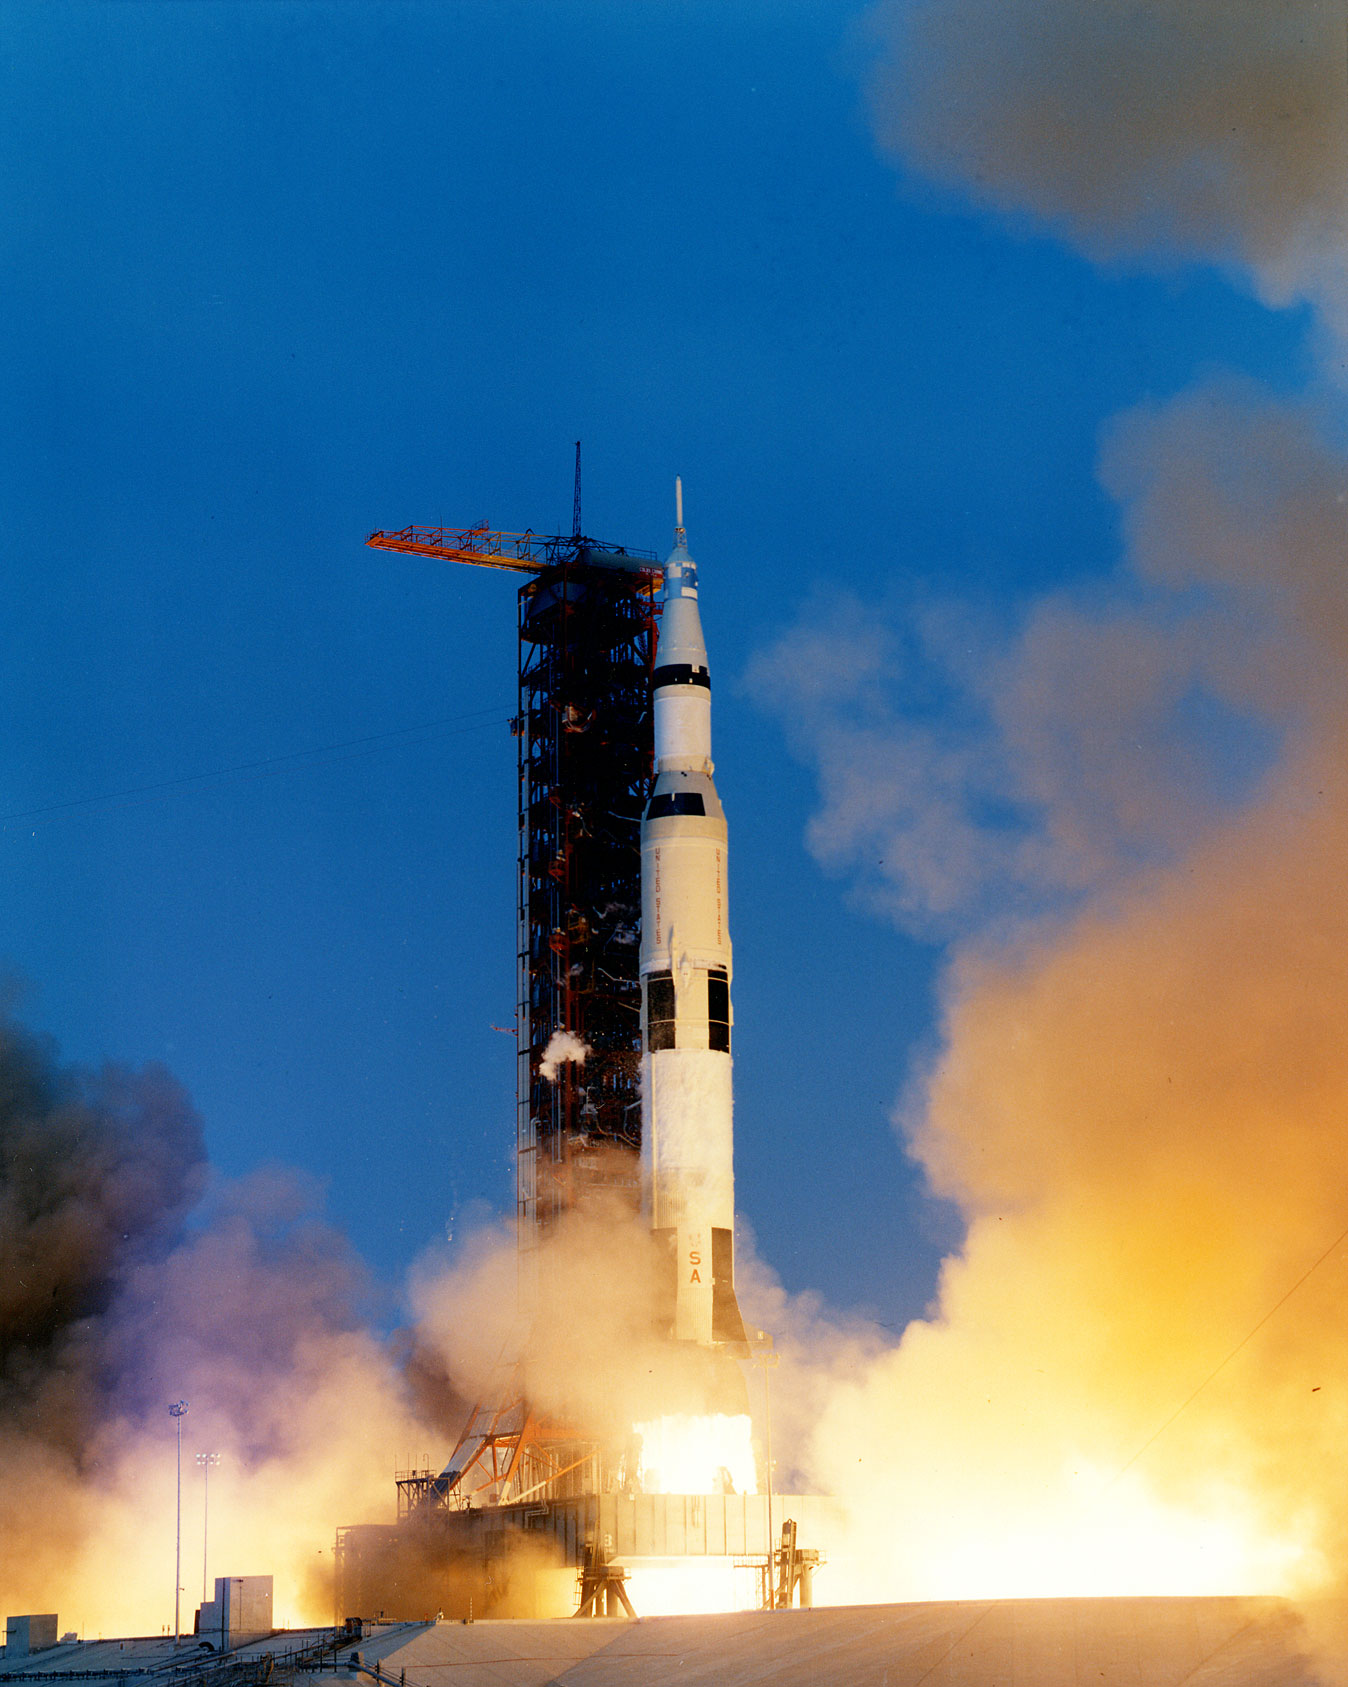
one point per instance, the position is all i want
(687, 1133)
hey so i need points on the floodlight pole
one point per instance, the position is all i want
(766, 1356)
(178, 1411)
(205, 1461)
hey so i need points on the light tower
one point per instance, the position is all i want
(178, 1411)
(206, 1463)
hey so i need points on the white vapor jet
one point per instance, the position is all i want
(687, 1135)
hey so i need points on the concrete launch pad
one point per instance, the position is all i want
(990, 1643)
(1182, 1642)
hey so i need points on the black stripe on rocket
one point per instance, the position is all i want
(668, 803)
(705, 1001)
(680, 673)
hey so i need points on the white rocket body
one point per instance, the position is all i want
(687, 1131)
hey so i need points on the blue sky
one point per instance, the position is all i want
(278, 274)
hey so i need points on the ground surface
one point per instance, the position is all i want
(1011, 1643)
(1018, 1643)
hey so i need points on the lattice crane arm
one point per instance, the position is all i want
(521, 553)
(524, 553)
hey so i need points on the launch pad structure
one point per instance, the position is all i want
(587, 615)
(587, 641)
(519, 1491)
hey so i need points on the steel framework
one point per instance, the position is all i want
(587, 638)
(586, 645)
(586, 619)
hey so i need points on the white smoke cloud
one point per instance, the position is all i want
(1213, 131)
(972, 779)
(1129, 810)
(1139, 1102)
(562, 1046)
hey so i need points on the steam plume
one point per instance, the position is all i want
(1209, 130)
(562, 1046)
(1130, 819)
(1140, 1101)
(588, 1333)
(129, 1280)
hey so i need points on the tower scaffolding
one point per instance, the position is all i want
(586, 639)
(587, 621)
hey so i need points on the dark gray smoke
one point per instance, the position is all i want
(98, 1172)
(130, 1278)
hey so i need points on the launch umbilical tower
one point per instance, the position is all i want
(587, 615)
